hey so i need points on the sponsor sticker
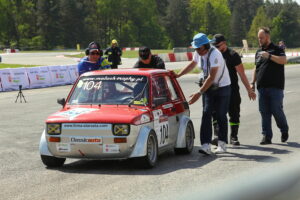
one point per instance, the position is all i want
(75, 112)
(85, 140)
(63, 147)
(161, 127)
(111, 148)
(145, 119)
(89, 126)
(170, 105)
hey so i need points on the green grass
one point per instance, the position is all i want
(2, 65)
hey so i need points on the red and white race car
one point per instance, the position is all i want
(119, 114)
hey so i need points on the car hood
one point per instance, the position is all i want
(96, 114)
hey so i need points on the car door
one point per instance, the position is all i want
(164, 113)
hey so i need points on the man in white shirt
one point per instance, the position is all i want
(215, 91)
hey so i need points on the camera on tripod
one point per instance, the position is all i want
(20, 95)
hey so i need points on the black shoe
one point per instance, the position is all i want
(284, 137)
(214, 141)
(265, 141)
(234, 141)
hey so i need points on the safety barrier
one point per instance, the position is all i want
(188, 56)
(130, 49)
(37, 77)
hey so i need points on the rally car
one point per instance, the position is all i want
(119, 114)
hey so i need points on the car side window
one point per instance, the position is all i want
(173, 92)
(160, 91)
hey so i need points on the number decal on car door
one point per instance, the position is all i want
(161, 127)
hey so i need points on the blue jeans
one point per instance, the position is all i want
(271, 103)
(217, 100)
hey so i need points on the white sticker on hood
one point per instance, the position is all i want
(73, 113)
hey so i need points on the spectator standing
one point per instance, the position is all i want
(235, 66)
(147, 60)
(114, 54)
(93, 60)
(215, 91)
(269, 76)
(282, 45)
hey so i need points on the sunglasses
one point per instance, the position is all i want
(94, 53)
(217, 46)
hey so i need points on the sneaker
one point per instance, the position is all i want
(284, 137)
(266, 140)
(214, 141)
(234, 141)
(221, 147)
(205, 149)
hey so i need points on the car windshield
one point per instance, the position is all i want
(111, 89)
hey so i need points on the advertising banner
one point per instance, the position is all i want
(59, 75)
(0, 85)
(12, 79)
(73, 70)
(39, 77)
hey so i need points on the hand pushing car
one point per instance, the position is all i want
(119, 114)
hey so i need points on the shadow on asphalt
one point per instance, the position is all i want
(167, 163)
(256, 157)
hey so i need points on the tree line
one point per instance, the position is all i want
(58, 24)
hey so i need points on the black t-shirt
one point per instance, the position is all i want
(268, 73)
(156, 62)
(232, 59)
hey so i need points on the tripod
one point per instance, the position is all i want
(20, 95)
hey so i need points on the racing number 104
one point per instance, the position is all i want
(164, 133)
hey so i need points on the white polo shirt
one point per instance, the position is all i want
(216, 60)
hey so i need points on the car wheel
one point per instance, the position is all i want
(189, 140)
(51, 161)
(150, 159)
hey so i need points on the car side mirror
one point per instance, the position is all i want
(61, 101)
(159, 100)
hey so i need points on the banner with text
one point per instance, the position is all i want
(39, 77)
(59, 75)
(73, 73)
(11, 79)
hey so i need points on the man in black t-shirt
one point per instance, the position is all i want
(147, 60)
(235, 66)
(269, 76)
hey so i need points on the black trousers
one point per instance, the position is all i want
(114, 66)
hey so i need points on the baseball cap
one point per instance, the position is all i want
(199, 40)
(144, 53)
(94, 46)
(217, 39)
(114, 42)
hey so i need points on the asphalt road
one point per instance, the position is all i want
(57, 58)
(23, 176)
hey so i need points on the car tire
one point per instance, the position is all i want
(189, 140)
(51, 161)
(150, 160)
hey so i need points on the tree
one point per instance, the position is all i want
(177, 26)
(286, 26)
(243, 13)
(210, 16)
(260, 20)
(48, 23)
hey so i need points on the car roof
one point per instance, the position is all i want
(127, 71)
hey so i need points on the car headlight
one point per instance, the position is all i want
(54, 129)
(121, 129)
